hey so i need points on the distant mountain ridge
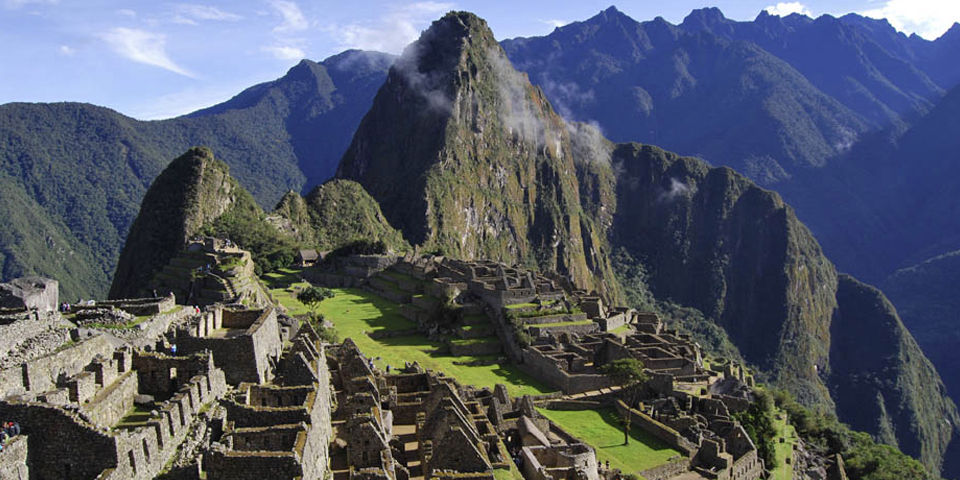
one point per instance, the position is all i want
(769, 97)
(75, 174)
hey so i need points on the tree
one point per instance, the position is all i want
(627, 373)
(312, 296)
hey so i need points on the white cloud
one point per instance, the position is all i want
(204, 12)
(14, 4)
(143, 47)
(126, 12)
(285, 52)
(554, 22)
(67, 50)
(192, 14)
(927, 18)
(786, 8)
(293, 18)
(390, 32)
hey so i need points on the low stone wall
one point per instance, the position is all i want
(573, 405)
(584, 329)
(660, 431)
(558, 318)
(220, 463)
(613, 322)
(668, 470)
(389, 295)
(113, 402)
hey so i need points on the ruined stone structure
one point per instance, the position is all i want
(208, 271)
(30, 293)
(280, 429)
(245, 343)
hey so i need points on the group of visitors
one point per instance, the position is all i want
(10, 430)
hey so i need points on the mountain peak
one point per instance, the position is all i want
(709, 15)
(709, 19)
(953, 34)
(610, 14)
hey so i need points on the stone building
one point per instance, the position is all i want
(30, 293)
(246, 344)
(279, 429)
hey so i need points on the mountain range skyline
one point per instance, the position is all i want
(162, 61)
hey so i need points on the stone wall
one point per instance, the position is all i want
(244, 357)
(223, 464)
(41, 374)
(162, 375)
(109, 405)
(61, 445)
(547, 370)
(475, 349)
(671, 469)
(660, 431)
(560, 317)
(584, 329)
(13, 459)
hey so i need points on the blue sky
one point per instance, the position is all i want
(156, 59)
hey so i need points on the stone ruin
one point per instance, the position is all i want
(208, 271)
(418, 423)
(225, 393)
(30, 293)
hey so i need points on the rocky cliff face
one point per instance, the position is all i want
(881, 380)
(192, 191)
(466, 157)
(711, 239)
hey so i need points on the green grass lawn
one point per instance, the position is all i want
(355, 312)
(783, 450)
(279, 282)
(601, 429)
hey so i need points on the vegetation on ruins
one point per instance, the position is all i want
(759, 422)
(629, 375)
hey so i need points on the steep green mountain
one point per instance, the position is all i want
(334, 214)
(897, 397)
(464, 156)
(195, 195)
(926, 298)
(710, 239)
(194, 190)
(78, 172)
